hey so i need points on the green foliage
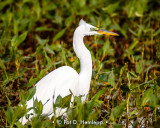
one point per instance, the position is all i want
(59, 34)
(36, 38)
(10, 115)
(29, 94)
(147, 96)
(13, 115)
(111, 79)
(15, 42)
(63, 102)
(117, 111)
(139, 67)
(153, 102)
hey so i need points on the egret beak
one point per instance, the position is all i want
(101, 31)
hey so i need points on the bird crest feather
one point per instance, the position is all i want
(82, 22)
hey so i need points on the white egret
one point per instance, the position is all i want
(63, 79)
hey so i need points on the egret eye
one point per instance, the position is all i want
(94, 29)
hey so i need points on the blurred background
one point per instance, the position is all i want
(36, 38)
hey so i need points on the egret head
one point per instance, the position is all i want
(87, 29)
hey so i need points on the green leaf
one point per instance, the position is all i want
(65, 102)
(14, 40)
(133, 74)
(145, 83)
(29, 94)
(32, 81)
(122, 70)
(111, 79)
(147, 96)
(59, 98)
(21, 38)
(39, 107)
(141, 6)
(37, 8)
(49, 50)
(59, 35)
(152, 66)
(138, 101)
(111, 7)
(131, 8)
(42, 74)
(132, 46)
(9, 114)
(48, 6)
(48, 59)
(139, 67)
(43, 28)
(95, 99)
(157, 32)
(5, 3)
(153, 101)
(2, 65)
(19, 112)
(117, 111)
(17, 40)
(41, 41)
(107, 50)
(9, 102)
(98, 94)
(35, 104)
(116, 26)
(68, 21)
(19, 125)
(133, 112)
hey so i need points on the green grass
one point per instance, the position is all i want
(36, 38)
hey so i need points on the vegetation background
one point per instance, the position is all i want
(36, 38)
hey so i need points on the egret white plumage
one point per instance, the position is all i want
(64, 79)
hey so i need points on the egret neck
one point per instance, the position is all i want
(85, 64)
